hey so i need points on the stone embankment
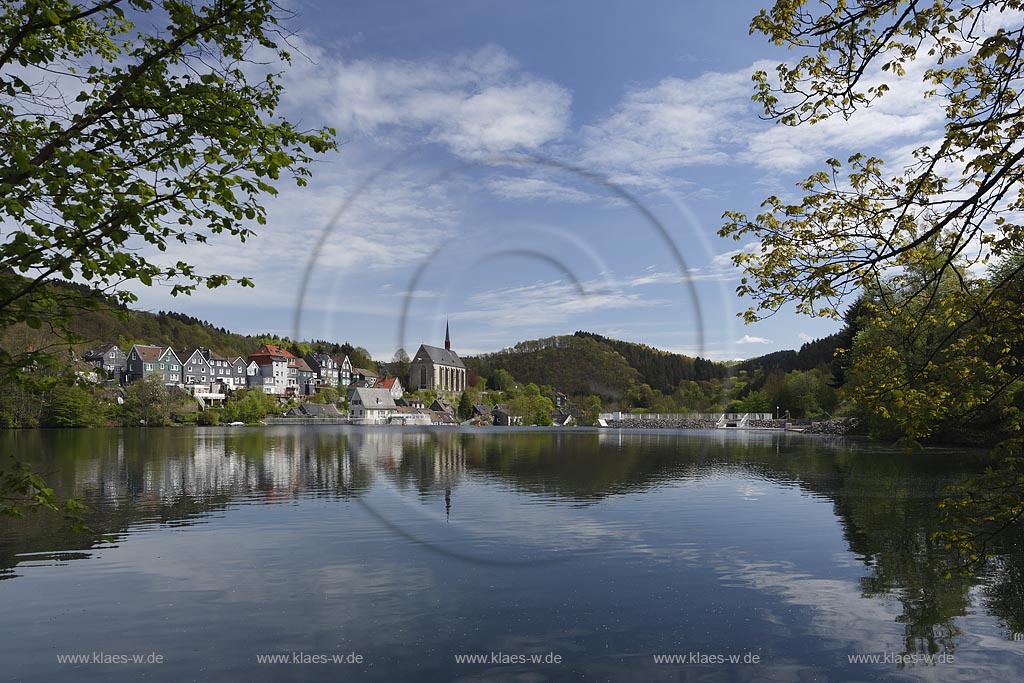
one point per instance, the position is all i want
(831, 427)
(682, 423)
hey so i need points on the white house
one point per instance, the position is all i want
(371, 406)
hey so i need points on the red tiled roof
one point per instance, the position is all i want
(268, 352)
(387, 382)
(150, 354)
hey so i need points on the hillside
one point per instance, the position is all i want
(112, 323)
(661, 370)
(575, 365)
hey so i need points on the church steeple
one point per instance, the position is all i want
(447, 338)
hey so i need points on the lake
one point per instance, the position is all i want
(389, 554)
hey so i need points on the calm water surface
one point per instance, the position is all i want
(409, 548)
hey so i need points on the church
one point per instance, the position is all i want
(439, 369)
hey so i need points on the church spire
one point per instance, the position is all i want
(447, 338)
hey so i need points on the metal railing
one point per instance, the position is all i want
(713, 417)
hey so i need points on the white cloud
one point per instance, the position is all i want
(710, 120)
(478, 105)
(361, 234)
(804, 337)
(674, 124)
(545, 303)
(750, 339)
(535, 188)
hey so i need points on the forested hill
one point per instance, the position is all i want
(811, 355)
(575, 365)
(587, 363)
(659, 369)
(114, 324)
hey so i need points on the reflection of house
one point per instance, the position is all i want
(439, 369)
(109, 358)
(147, 360)
(371, 406)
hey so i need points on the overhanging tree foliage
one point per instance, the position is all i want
(860, 222)
(851, 225)
(125, 126)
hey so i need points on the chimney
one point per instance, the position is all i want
(447, 338)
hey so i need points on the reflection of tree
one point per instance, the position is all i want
(1004, 590)
(174, 477)
(885, 502)
(888, 510)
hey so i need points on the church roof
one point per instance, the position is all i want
(438, 356)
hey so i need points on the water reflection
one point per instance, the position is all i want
(630, 511)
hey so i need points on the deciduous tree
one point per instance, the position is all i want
(127, 124)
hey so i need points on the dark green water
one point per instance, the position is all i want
(413, 548)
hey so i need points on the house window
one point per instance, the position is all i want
(190, 368)
(149, 366)
(174, 377)
(161, 366)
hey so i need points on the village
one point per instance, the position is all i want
(436, 378)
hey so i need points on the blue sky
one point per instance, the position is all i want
(529, 169)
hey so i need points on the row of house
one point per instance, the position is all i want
(275, 370)
(272, 369)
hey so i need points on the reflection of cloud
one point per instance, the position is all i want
(838, 610)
